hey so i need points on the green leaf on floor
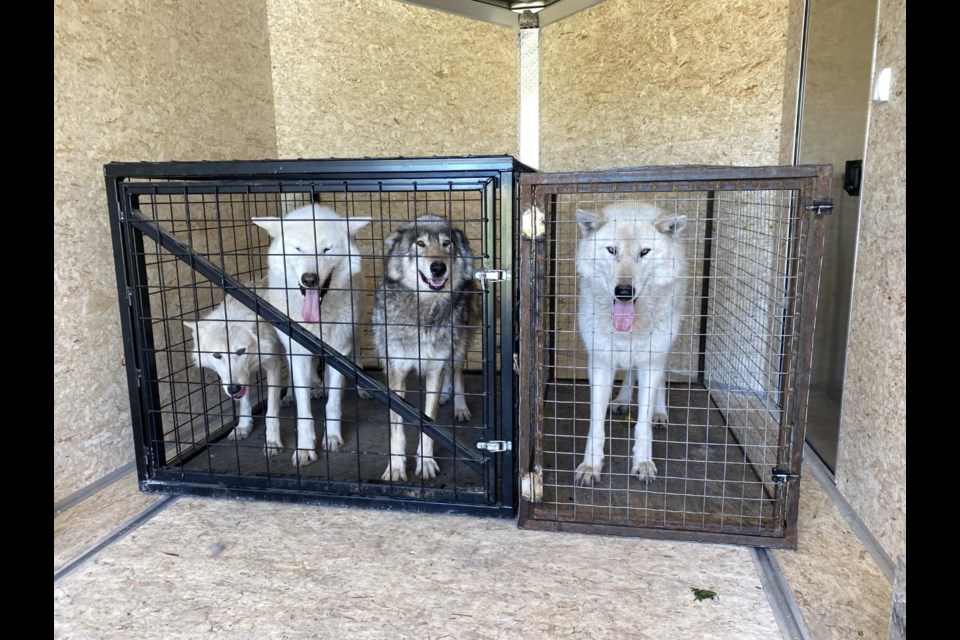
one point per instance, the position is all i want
(703, 594)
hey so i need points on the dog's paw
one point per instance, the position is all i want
(303, 457)
(288, 400)
(427, 468)
(318, 392)
(660, 419)
(586, 475)
(646, 470)
(462, 414)
(444, 398)
(363, 394)
(241, 431)
(272, 448)
(396, 470)
(619, 407)
(331, 442)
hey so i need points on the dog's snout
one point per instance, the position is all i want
(623, 292)
(234, 389)
(437, 269)
(309, 280)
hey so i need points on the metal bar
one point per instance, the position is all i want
(779, 595)
(705, 292)
(139, 520)
(315, 169)
(80, 495)
(693, 175)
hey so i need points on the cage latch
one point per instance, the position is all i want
(491, 275)
(495, 446)
(820, 207)
(782, 475)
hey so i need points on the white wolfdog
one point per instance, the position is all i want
(312, 266)
(631, 270)
(425, 313)
(233, 343)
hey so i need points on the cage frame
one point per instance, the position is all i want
(538, 194)
(124, 183)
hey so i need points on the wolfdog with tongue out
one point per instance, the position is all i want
(313, 264)
(631, 270)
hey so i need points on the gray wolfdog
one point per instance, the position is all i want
(425, 314)
(631, 270)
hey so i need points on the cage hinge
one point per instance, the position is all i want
(516, 364)
(492, 275)
(139, 377)
(820, 207)
(533, 223)
(129, 296)
(495, 446)
(781, 475)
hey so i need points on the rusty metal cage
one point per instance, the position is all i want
(736, 381)
(189, 236)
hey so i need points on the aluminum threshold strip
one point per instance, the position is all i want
(79, 496)
(785, 609)
(820, 472)
(116, 535)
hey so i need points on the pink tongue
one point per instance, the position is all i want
(437, 282)
(311, 305)
(623, 312)
(242, 392)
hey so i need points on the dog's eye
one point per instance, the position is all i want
(217, 355)
(241, 351)
(612, 251)
(446, 243)
(644, 252)
(421, 243)
(325, 249)
(298, 249)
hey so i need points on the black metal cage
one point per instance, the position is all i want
(186, 242)
(736, 381)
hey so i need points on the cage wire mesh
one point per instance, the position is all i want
(727, 449)
(209, 329)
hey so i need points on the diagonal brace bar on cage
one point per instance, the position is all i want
(472, 457)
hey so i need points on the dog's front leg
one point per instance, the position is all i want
(245, 423)
(273, 445)
(332, 436)
(601, 388)
(306, 437)
(621, 404)
(396, 468)
(649, 381)
(427, 467)
(460, 409)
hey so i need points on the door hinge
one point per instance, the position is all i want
(781, 475)
(492, 275)
(533, 223)
(820, 207)
(495, 446)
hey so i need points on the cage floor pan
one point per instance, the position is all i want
(364, 455)
(704, 479)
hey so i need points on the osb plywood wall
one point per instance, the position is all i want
(872, 464)
(626, 84)
(383, 78)
(133, 81)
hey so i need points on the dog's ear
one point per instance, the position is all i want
(461, 241)
(588, 221)
(356, 224)
(671, 225)
(191, 326)
(391, 240)
(269, 224)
